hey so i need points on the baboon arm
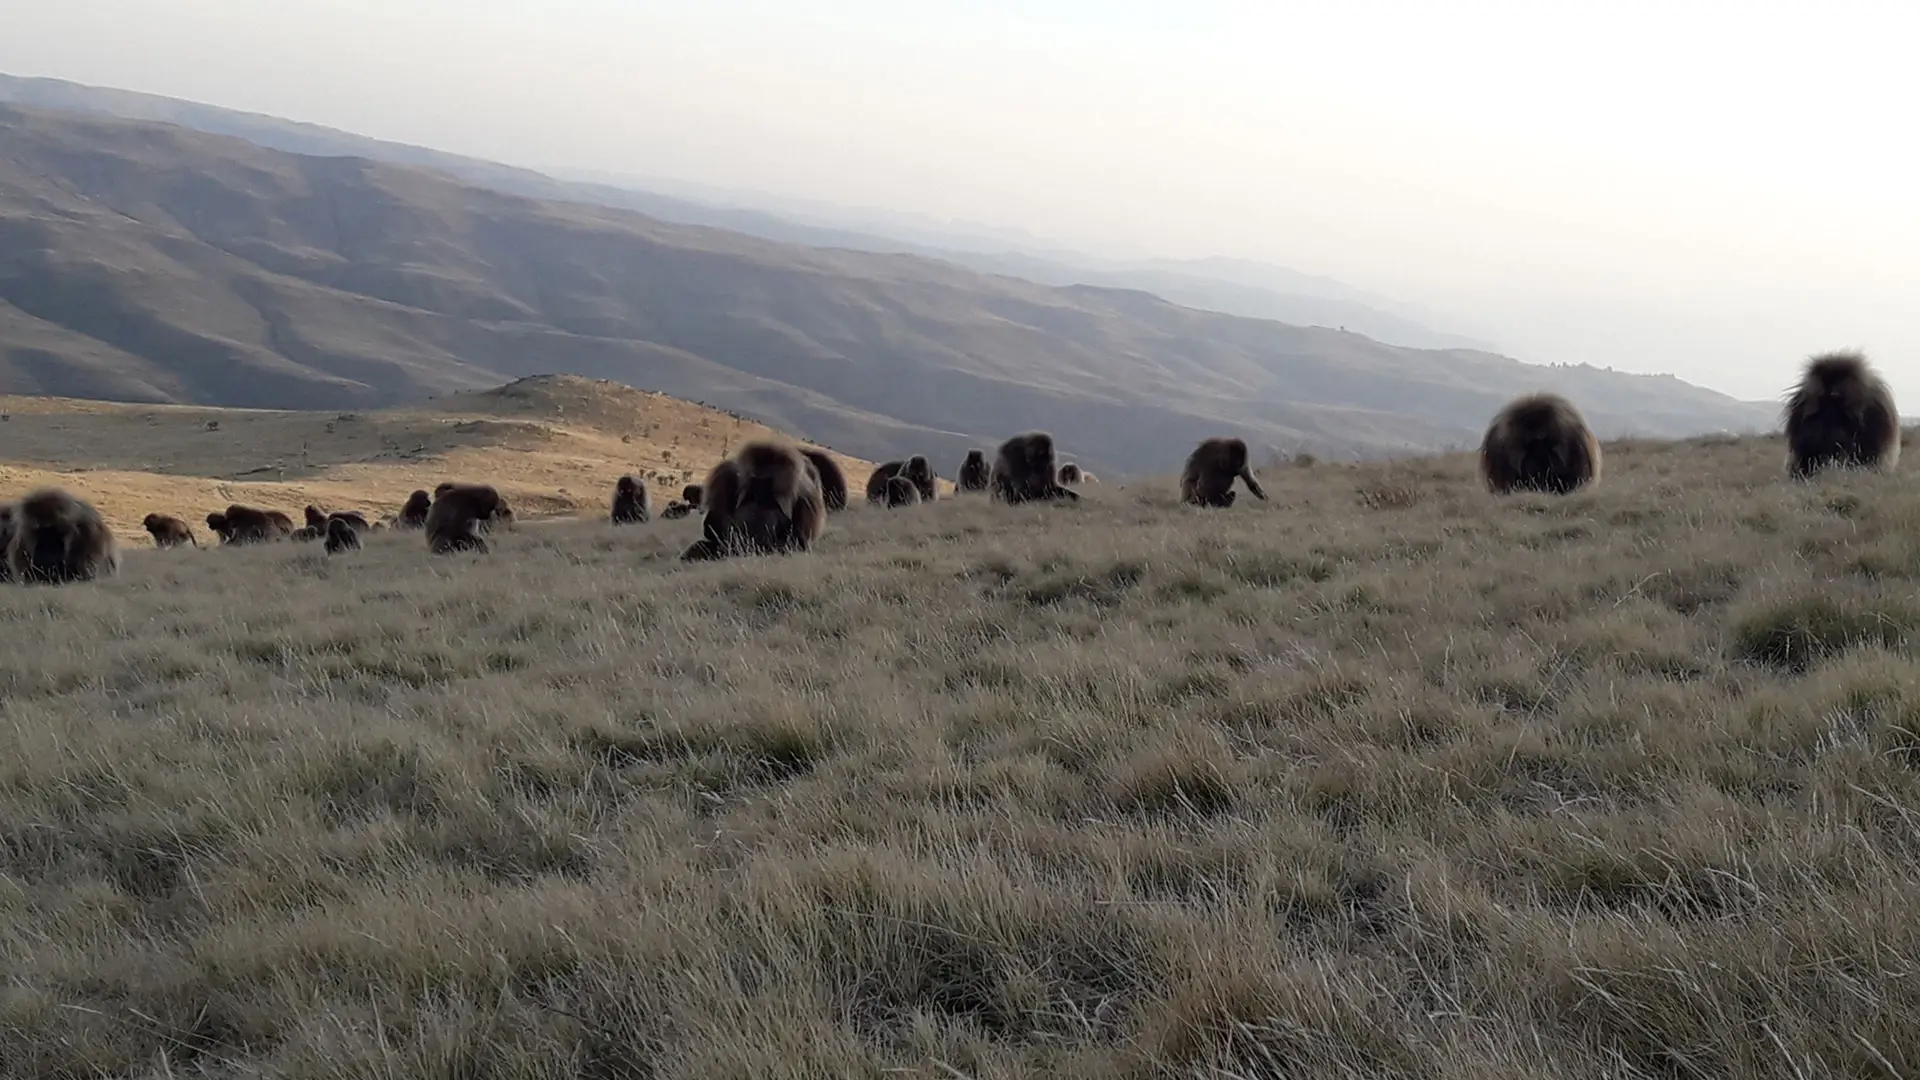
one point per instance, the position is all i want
(806, 523)
(1253, 485)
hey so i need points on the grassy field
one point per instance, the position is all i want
(1383, 778)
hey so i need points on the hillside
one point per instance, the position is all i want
(1384, 778)
(553, 445)
(151, 263)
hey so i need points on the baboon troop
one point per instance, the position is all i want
(974, 472)
(56, 539)
(168, 531)
(1207, 479)
(341, 535)
(632, 504)
(902, 492)
(1840, 415)
(459, 514)
(1539, 442)
(766, 499)
(833, 480)
(1024, 471)
(916, 470)
(249, 525)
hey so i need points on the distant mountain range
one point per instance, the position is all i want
(146, 261)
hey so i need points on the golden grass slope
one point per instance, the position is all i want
(1385, 778)
(554, 445)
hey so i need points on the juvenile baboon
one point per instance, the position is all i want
(902, 492)
(168, 531)
(250, 525)
(1539, 442)
(1071, 474)
(1207, 479)
(766, 499)
(974, 472)
(691, 495)
(676, 510)
(1023, 471)
(413, 515)
(6, 541)
(632, 503)
(341, 536)
(1841, 415)
(833, 481)
(59, 539)
(454, 520)
(878, 479)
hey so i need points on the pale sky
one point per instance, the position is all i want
(1710, 189)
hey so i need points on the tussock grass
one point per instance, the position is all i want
(1384, 778)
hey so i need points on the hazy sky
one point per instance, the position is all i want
(1711, 189)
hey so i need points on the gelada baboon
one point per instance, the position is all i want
(833, 481)
(1841, 415)
(341, 535)
(1207, 479)
(1539, 442)
(766, 499)
(316, 518)
(249, 525)
(690, 495)
(168, 531)
(352, 517)
(632, 503)
(1024, 471)
(306, 534)
(677, 509)
(457, 516)
(6, 541)
(917, 470)
(1071, 474)
(59, 539)
(902, 492)
(973, 472)
(413, 515)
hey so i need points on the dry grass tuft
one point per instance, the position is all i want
(1427, 784)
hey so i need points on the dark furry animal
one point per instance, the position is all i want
(168, 531)
(1208, 476)
(974, 472)
(677, 509)
(352, 517)
(306, 534)
(690, 495)
(250, 525)
(766, 499)
(916, 469)
(457, 517)
(1071, 474)
(341, 535)
(1840, 415)
(58, 539)
(316, 518)
(413, 515)
(902, 492)
(1024, 471)
(6, 541)
(1539, 442)
(833, 481)
(632, 503)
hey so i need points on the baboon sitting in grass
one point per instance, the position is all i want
(632, 503)
(341, 536)
(413, 515)
(1539, 442)
(902, 492)
(168, 531)
(58, 539)
(766, 499)
(1073, 475)
(456, 518)
(1841, 415)
(1208, 476)
(917, 470)
(1024, 470)
(974, 472)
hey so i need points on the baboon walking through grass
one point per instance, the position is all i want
(1208, 476)
(458, 516)
(168, 531)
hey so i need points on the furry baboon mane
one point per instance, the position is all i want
(1539, 442)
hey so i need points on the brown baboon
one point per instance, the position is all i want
(454, 522)
(765, 499)
(1071, 474)
(316, 518)
(341, 535)
(902, 492)
(306, 534)
(1023, 471)
(833, 481)
(974, 472)
(413, 515)
(59, 539)
(250, 525)
(7, 524)
(1539, 442)
(691, 495)
(1841, 415)
(918, 471)
(1207, 479)
(676, 510)
(632, 503)
(168, 531)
